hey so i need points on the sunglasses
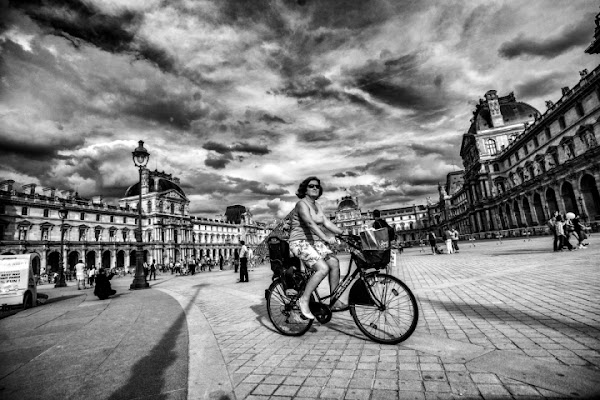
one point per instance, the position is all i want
(311, 186)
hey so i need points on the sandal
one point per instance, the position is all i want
(305, 310)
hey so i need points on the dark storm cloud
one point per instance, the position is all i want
(399, 83)
(166, 109)
(218, 147)
(347, 173)
(318, 136)
(270, 119)
(80, 22)
(243, 147)
(43, 150)
(217, 162)
(540, 85)
(444, 149)
(240, 147)
(551, 46)
(226, 153)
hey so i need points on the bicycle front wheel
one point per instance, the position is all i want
(393, 317)
(284, 311)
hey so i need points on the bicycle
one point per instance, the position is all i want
(382, 306)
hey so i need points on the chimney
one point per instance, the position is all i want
(29, 189)
(49, 191)
(7, 186)
(494, 106)
(97, 200)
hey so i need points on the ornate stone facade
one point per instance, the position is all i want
(103, 234)
(519, 171)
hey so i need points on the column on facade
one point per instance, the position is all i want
(532, 210)
(521, 211)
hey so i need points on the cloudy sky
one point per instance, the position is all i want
(243, 99)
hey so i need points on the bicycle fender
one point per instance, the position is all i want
(359, 294)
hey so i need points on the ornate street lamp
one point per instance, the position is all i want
(62, 213)
(140, 159)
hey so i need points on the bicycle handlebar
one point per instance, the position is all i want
(350, 240)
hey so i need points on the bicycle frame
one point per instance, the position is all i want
(344, 284)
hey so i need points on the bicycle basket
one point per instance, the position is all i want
(373, 259)
(376, 249)
(376, 239)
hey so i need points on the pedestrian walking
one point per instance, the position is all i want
(563, 240)
(499, 237)
(80, 274)
(236, 260)
(455, 237)
(92, 276)
(432, 241)
(243, 262)
(552, 227)
(448, 238)
(221, 261)
(579, 232)
(152, 271)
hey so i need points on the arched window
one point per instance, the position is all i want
(491, 147)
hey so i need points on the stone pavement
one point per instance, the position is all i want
(497, 321)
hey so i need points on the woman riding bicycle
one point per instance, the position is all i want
(308, 241)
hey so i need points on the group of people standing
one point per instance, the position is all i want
(451, 237)
(563, 227)
(99, 279)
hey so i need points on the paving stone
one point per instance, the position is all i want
(384, 395)
(286, 390)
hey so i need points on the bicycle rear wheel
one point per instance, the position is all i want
(396, 320)
(284, 311)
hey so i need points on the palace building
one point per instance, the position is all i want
(406, 221)
(103, 234)
(522, 165)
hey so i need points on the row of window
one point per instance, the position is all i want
(125, 233)
(492, 147)
(82, 216)
(46, 214)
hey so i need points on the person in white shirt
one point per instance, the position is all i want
(80, 274)
(92, 276)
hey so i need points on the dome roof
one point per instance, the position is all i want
(513, 112)
(163, 185)
(347, 203)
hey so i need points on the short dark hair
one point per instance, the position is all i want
(376, 213)
(242, 242)
(301, 192)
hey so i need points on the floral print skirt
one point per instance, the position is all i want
(309, 252)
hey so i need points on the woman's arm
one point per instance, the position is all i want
(304, 214)
(332, 227)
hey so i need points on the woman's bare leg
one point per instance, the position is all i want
(334, 273)
(321, 270)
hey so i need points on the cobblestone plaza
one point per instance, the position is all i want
(498, 320)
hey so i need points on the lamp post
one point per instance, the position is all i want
(62, 213)
(140, 159)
